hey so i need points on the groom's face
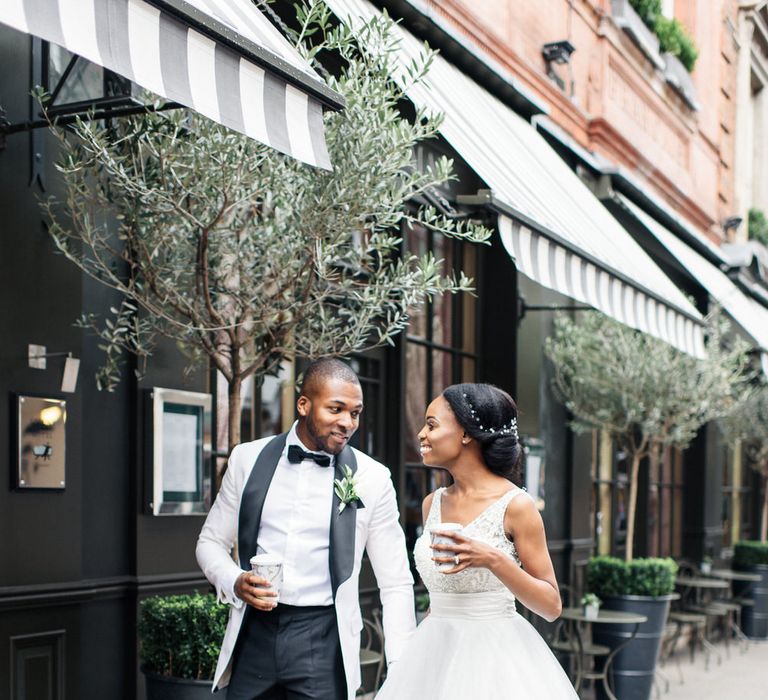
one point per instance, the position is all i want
(330, 416)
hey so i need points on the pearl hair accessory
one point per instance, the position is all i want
(506, 429)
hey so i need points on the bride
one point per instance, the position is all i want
(474, 643)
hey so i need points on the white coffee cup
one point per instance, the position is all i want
(269, 567)
(442, 539)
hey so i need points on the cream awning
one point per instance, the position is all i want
(554, 227)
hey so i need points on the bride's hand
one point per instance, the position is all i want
(466, 553)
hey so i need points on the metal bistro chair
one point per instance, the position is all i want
(372, 648)
(565, 640)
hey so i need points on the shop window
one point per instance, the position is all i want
(665, 506)
(737, 497)
(440, 349)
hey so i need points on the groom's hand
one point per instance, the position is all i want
(255, 591)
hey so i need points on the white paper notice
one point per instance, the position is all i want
(179, 452)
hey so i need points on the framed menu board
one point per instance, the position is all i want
(179, 473)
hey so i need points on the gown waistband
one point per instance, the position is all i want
(487, 605)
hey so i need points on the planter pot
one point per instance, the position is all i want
(754, 618)
(591, 612)
(632, 670)
(169, 688)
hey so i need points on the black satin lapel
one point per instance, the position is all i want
(254, 494)
(342, 546)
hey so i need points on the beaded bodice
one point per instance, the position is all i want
(487, 527)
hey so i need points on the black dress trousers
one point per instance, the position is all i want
(289, 653)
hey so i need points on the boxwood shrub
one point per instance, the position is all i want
(181, 635)
(609, 576)
(750, 553)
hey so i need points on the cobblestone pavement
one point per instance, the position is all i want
(740, 677)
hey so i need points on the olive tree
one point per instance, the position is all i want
(247, 257)
(642, 391)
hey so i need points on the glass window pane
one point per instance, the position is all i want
(274, 392)
(469, 301)
(417, 243)
(83, 83)
(368, 437)
(468, 373)
(442, 305)
(442, 372)
(415, 398)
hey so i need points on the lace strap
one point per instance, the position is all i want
(504, 501)
(434, 515)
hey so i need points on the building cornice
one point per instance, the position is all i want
(616, 148)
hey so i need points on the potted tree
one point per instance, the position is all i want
(647, 396)
(752, 557)
(244, 257)
(747, 427)
(180, 638)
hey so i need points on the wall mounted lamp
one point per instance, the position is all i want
(37, 359)
(558, 51)
(732, 223)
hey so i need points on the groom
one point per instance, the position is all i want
(278, 498)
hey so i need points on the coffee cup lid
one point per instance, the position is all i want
(445, 526)
(265, 560)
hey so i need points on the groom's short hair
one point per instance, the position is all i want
(323, 370)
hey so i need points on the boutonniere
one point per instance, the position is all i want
(345, 490)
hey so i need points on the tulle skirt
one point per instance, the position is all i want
(474, 645)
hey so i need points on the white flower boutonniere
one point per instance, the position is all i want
(345, 490)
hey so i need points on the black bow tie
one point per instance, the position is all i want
(296, 455)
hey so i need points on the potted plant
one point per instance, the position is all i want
(752, 557)
(647, 396)
(644, 586)
(422, 606)
(706, 565)
(180, 638)
(591, 604)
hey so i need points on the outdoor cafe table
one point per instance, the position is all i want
(576, 618)
(731, 575)
(699, 584)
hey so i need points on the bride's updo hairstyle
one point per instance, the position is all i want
(489, 415)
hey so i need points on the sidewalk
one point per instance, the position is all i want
(742, 677)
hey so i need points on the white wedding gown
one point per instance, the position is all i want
(474, 644)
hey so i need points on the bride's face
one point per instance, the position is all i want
(440, 440)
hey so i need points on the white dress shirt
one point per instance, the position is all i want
(296, 526)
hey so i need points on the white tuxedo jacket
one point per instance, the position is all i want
(235, 517)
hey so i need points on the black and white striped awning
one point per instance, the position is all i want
(222, 58)
(558, 267)
(554, 227)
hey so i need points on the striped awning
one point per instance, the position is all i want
(554, 227)
(751, 316)
(574, 274)
(221, 58)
